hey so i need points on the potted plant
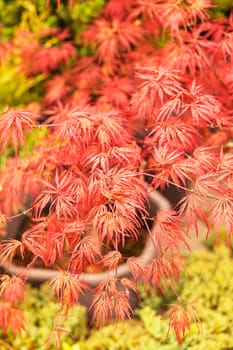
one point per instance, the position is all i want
(149, 107)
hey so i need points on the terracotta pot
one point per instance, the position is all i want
(39, 275)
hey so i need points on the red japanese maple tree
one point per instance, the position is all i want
(133, 117)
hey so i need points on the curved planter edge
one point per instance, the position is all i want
(39, 275)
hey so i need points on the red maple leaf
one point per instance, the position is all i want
(8, 250)
(156, 85)
(11, 318)
(13, 124)
(112, 37)
(168, 232)
(179, 321)
(146, 9)
(176, 133)
(137, 268)
(87, 252)
(109, 300)
(12, 289)
(180, 318)
(116, 91)
(119, 9)
(68, 287)
(58, 196)
(164, 270)
(191, 53)
(175, 14)
(111, 259)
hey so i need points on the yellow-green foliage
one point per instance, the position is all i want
(10, 12)
(32, 139)
(221, 8)
(15, 88)
(85, 11)
(40, 312)
(223, 4)
(77, 20)
(82, 12)
(133, 335)
(210, 286)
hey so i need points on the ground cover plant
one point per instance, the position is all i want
(40, 310)
(210, 275)
(136, 99)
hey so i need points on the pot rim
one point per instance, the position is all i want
(40, 275)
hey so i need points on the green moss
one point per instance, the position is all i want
(209, 284)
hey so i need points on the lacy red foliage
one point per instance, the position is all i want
(13, 125)
(12, 294)
(180, 318)
(9, 249)
(175, 15)
(11, 318)
(46, 240)
(178, 321)
(111, 259)
(58, 196)
(111, 301)
(150, 107)
(86, 253)
(12, 289)
(167, 231)
(137, 268)
(112, 37)
(67, 287)
(118, 10)
(164, 270)
(37, 57)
